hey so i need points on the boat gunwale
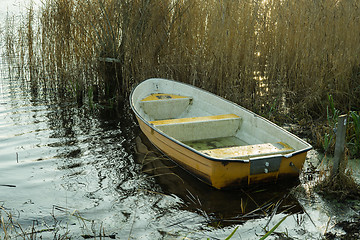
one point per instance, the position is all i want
(306, 149)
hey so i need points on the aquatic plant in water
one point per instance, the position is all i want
(332, 115)
(354, 134)
(329, 133)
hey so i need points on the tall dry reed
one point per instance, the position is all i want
(270, 56)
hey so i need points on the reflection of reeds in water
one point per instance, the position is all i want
(253, 52)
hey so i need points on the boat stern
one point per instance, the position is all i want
(270, 169)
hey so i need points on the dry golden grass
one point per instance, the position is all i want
(270, 56)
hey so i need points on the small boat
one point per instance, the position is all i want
(218, 141)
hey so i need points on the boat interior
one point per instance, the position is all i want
(217, 135)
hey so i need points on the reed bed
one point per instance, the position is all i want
(279, 58)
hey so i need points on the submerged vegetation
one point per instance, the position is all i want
(55, 229)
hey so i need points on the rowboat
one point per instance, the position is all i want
(218, 141)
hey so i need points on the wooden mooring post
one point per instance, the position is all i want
(339, 154)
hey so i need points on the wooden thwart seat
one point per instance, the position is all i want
(163, 97)
(195, 119)
(249, 151)
(196, 128)
(164, 106)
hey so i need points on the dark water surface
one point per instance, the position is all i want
(71, 171)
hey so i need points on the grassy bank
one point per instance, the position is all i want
(278, 58)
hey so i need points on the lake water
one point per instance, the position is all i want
(71, 171)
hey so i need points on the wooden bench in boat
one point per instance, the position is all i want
(196, 119)
(196, 128)
(249, 151)
(163, 106)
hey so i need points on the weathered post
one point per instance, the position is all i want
(339, 155)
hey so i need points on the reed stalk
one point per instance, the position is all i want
(257, 53)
